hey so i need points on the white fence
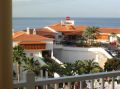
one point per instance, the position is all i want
(67, 82)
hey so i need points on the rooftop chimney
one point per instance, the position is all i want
(28, 30)
(34, 31)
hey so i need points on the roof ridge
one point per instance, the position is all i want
(49, 28)
(20, 35)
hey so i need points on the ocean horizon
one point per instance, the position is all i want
(21, 23)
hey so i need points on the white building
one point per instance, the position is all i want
(33, 44)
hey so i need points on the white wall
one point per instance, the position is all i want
(15, 44)
(72, 54)
(69, 55)
(49, 45)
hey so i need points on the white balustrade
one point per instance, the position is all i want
(89, 79)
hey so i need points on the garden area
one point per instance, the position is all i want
(66, 69)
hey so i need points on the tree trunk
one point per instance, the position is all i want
(18, 72)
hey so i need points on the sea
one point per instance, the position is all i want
(23, 23)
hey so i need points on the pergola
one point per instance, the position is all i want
(6, 44)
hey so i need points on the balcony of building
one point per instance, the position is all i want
(103, 80)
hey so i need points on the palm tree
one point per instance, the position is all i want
(91, 67)
(68, 69)
(112, 64)
(53, 67)
(113, 34)
(90, 34)
(79, 67)
(18, 57)
(31, 65)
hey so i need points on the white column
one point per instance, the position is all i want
(52, 54)
(6, 44)
(40, 54)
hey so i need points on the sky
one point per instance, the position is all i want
(63, 8)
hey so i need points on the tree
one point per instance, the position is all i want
(90, 66)
(53, 67)
(18, 57)
(118, 39)
(90, 34)
(79, 67)
(31, 65)
(68, 69)
(113, 34)
(112, 64)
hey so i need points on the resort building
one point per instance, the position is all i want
(33, 44)
(66, 34)
(60, 40)
(66, 30)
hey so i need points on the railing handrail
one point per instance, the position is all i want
(78, 77)
(70, 78)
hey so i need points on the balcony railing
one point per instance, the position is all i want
(67, 82)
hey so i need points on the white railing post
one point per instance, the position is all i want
(30, 80)
(69, 85)
(45, 86)
(102, 83)
(113, 83)
(81, 84)
(92, 84)
(56, 86)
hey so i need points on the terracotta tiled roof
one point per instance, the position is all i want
(62, 28)
(45, 32)
(109, 30)
(29, 42)
(68, 30)
(30, 37)
(58, 27)
(18, 33)
(80, 28)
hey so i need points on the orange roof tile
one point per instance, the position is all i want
(59, 27)
(30, 37)
(29, 42)
(62, 28)
(18, 33)
(45, 32)
(110, 30)
(65, 29)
